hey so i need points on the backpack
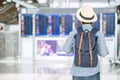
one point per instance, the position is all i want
(86, 48)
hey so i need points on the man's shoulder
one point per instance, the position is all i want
(73, 32)
(99, 33)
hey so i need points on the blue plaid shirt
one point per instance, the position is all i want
(69, 47)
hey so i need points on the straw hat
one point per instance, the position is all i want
(86, 14)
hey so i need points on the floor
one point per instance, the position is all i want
(29, 69)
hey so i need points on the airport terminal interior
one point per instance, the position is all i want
(33, 32)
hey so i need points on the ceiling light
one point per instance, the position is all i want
(96, 4)
(4, 2)
(23, 10)
(8, 0)
(42, 1)
(17, 5)
(29, 1)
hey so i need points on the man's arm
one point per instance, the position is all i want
(68, 46)
(102, 48)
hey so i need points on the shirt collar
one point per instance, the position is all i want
(87, 26)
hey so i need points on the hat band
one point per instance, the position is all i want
(86, 17)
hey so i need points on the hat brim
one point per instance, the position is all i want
(85, 20)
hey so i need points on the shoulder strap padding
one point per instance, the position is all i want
(94, 31)
(79, 30)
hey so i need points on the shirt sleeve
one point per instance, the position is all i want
(102, 48)
(68, 46)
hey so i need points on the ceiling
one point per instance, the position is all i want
(9, 14)
(9, 11)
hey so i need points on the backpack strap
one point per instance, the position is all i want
(79, 30)
(90, 49)
(79, 49)
(94, 30)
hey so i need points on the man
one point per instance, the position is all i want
(86, 16)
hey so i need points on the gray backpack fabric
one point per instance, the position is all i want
(86, 48)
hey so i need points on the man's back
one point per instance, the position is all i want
(69, 47)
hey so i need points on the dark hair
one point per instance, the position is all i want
(86, 22)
